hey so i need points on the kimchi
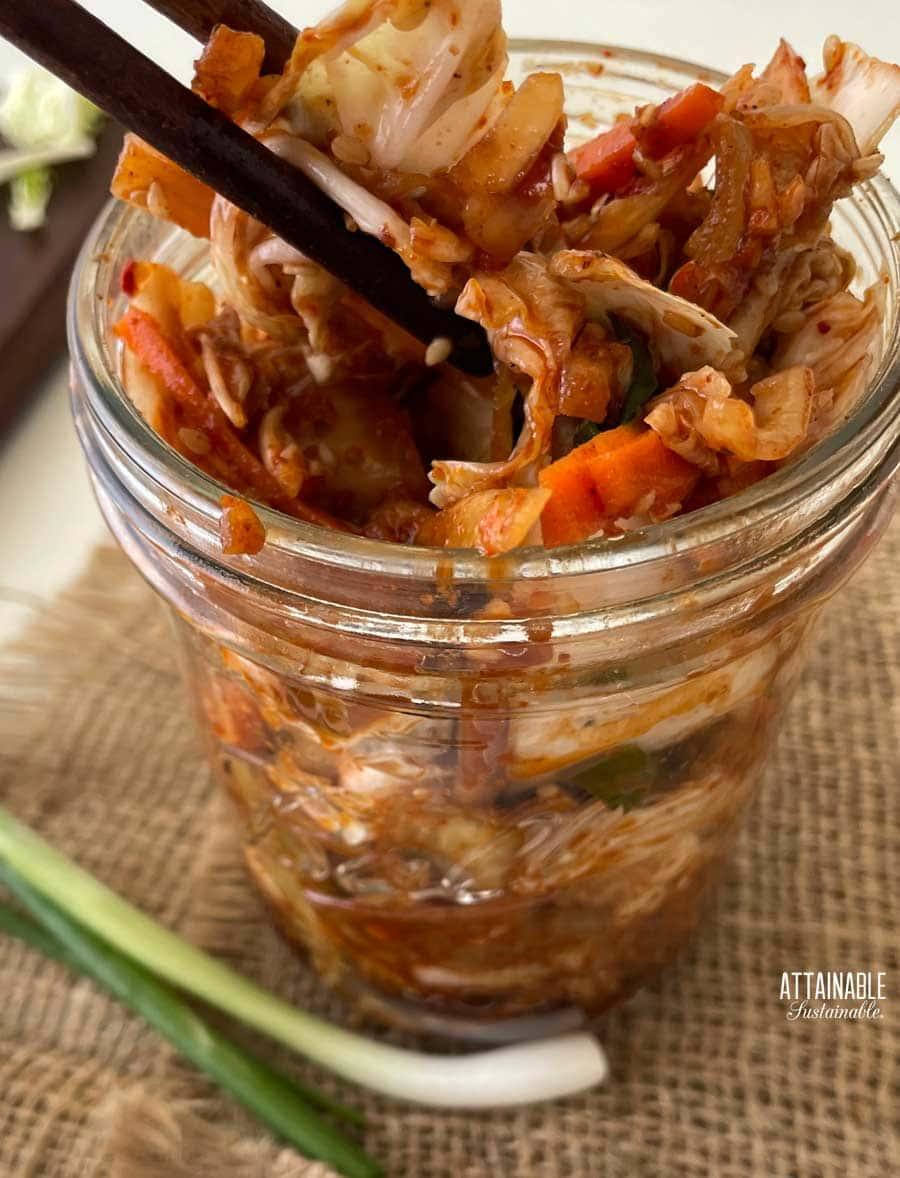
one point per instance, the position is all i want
(670, 317)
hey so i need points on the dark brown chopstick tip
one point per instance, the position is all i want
(104, 67)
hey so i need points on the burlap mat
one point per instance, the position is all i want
(709, 1076)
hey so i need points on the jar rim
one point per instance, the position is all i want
(874, 420)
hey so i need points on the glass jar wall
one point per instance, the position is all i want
(491, 797)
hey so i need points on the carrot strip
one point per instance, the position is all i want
(142, 334)
(678, 120)
(607, 163)
(612, 477)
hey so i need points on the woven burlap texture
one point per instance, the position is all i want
(708, 1076)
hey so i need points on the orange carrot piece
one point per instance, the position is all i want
(611, 477)
(679, 119)
(142, 334)
(606, 163)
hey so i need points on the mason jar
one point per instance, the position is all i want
(490, 798)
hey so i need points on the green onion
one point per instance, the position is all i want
(620, 779)
(643, 376)
(643, 385)
(586, 431)
(278, 1101)
(40, 937)
(520, 1074)
(29, 932)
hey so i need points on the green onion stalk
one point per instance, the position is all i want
(522, 1073)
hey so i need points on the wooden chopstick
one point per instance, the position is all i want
(109, 71)
(200, 17)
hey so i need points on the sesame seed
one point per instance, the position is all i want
(438, 351)
(349, 150)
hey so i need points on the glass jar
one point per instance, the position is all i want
(490, 797)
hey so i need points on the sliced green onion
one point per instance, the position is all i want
(520, 1074)
(643, 375)
(26, 929)
(621, 779)
(586, 431)
(278, 1101)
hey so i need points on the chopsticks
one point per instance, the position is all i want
(200, 17)
(114, 75)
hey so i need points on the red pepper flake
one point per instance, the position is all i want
(240, 528)
(823, 327)
(128, 282)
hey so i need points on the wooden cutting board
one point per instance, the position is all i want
(34, 274)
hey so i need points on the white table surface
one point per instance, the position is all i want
(48, 520)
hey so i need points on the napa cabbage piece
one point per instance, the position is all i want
(229, 68)
(532, 319)
(251, 266)
(279, 291)
(785, 75)
(840, 342)
(490, 521)
(465, 417)
(701, 421)
(786, 151)
(370, 213)
(864, 90)
(411, 81)
(683, 335)
(779, 170)
(534, 312)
